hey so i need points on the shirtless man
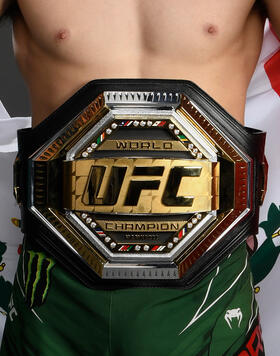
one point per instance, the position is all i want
(59, 47)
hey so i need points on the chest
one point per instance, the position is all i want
(154, 26)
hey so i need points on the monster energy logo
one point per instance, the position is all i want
(37, 278)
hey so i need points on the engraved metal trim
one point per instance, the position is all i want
(141, 257)
(115, 271)
(52, 228)
(107, 119)
(149, 98)
(65, 135)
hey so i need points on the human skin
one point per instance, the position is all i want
(60, 46)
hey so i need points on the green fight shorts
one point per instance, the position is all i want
(53, 314)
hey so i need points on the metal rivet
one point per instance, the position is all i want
(114, 125)
(107, 239)
(84, 216)
(190, 225)
(176, 131)
(199, 155)
(108, 131)
(175, 239)
(93, 225)
(143, 123)
(199, 216)
(89, 149)
(94, 145)
(171, 126)
(190, 146)
(135, 123)
(88, 220)
(149, 123)
(113, 244)
(170, 245)
(195, 150)
(84, 154)
(137, 248)
(146, 248)
(194, 220)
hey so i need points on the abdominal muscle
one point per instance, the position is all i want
(59, 53)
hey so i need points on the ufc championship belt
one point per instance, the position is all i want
(138, 182)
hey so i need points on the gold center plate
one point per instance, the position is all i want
(139, 185)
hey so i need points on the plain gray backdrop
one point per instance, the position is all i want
(13, 91)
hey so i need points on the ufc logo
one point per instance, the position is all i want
(144, 185)
(116, 179)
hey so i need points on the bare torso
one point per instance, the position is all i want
(61, 45)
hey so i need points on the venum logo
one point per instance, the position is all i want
(143, 185)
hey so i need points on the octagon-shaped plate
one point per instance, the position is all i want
(141, 184)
